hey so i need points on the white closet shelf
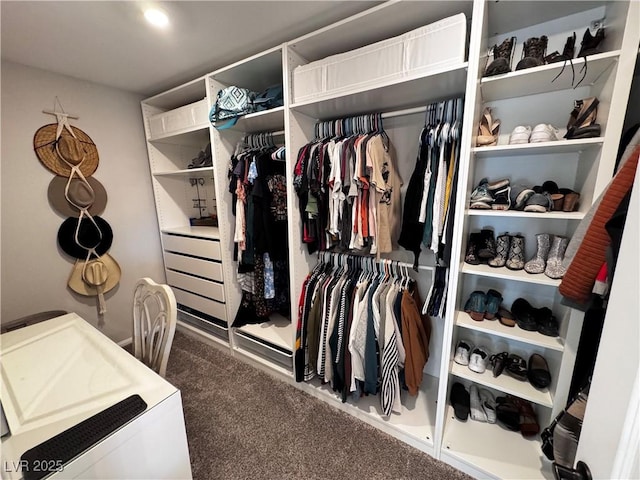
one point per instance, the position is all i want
(194, 135)
(505, 273)
(535, 80)
(504, 383)
(185, 172)
(265, 121)
(402, 93)
(278, 330)
(523, 214)
(493, 449)
(418, 417)
(210, 233)
(494, 327)
(542, 148)
(182, 95)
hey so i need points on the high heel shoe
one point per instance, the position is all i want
(488, 130)
(582, 119)
(502, 56)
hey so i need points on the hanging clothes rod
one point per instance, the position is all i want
(406, 111)
(427, 268)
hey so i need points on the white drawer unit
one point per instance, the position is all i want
(198, 247)
(201, 304)
(196, 266)
(197, 285)
(179, 120)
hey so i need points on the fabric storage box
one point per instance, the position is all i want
(179, 120)
(429, 48)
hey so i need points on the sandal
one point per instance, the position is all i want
(488, 130)
(538, 374)
(492, 304)
(498, 362)
(528, 420)
(505, 317)
(476, 305)
(508, 413)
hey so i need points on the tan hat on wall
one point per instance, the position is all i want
(76, 151)
(95, 197)
(103, 271)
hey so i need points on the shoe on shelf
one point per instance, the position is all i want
(502, 199)
(498, 361)
(460, 401)
(476, 410)
(505, 317)
(554, 268)
(478, 360)
(539, 262)
(471, 256)
(534, 50)
(488, 129)
(539, 203)
(481, 196)
(498, 184)
(524, 315)
(582, 119)
(508, 413)
(590, 43)
(546, 322)
(569, 200)
(493, 298)
(520, 134)
(538, 373)
(463, 350)
(544, 133)
(487, 246)
(488, 403)
(515, 257)
(568, 52)
(502, 56)
(475, 305)
(516, 367)
(519, 196)
(502, 251)
(528, 420)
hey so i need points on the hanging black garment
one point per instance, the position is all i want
(412, 228)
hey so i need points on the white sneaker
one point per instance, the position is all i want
(520, 134)
(462, 353)
(544, 133)
(477, 412)
(478, 360)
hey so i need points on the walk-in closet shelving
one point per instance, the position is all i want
(529, 97)
(524, 97)
(269, 343)
(177, 129)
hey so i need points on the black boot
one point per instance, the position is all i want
(502, 55)
(533, 53)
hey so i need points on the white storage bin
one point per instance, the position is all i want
(179, 120)
(434, 47)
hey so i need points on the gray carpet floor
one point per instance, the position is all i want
(242, 423)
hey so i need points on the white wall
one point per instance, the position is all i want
(34, 270)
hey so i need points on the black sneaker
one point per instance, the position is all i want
(502, 199)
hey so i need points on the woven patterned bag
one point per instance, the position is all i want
(231, 103)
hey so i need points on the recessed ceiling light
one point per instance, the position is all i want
(156, 17)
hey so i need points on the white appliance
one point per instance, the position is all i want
(57, 373)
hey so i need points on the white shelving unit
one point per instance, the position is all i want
(197, 254)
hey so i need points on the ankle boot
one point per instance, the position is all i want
(554, 268)
(539, 262)
(533, 52)
(471, 257)
(568, 52)
(501, 58)
(515, 258)
(487, 245)
(502, 251)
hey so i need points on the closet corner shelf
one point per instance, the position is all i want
(388, 96)
(278, 331)
(542, 148)
(185, 172)
(505, 273)
(494, 450)
(504, 383)
(494, 327)
(535, 80)
(210, 233)
(523, 214)
(265, 121)
(194, 135)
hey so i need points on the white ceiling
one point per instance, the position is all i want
(109, 42)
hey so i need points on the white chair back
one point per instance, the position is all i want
(154, 323)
